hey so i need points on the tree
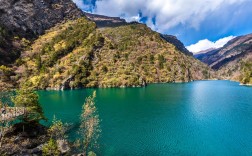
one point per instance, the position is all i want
(38, 62)
(90, 124)
(58, 130)
(161, 61)
(27, 98)
(50, 148)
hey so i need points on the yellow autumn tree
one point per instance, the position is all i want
(90, 124)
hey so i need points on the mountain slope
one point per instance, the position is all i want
(76, 54)
(232, 60)
(105, 21)
(239, 69)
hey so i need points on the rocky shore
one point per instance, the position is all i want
(23, 140)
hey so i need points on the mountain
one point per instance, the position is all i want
(24, 20)
(76, 54)
(232, 60)
(63, 48)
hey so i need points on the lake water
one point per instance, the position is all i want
(197, 118)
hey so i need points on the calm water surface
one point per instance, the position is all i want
(197, 118)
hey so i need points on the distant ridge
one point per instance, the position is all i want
(105, 21)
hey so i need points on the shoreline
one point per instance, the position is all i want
(248, 85)
(125, 87)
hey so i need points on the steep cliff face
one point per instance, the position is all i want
(29, 18)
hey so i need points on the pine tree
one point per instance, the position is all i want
(27, 98)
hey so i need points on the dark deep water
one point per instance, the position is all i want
(197, 118)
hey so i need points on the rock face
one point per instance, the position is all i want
(29, 18)
(105, 21)
(179, 45)
(235, 49)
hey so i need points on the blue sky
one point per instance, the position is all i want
(199, 24)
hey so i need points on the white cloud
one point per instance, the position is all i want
(83, 6)
(79, 3)
(168, 13)
(133, 18)
(206, 44)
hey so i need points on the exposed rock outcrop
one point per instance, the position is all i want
(32, 17)
(29, 19)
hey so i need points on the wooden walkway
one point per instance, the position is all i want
(11, 113)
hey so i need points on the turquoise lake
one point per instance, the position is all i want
(197, 118)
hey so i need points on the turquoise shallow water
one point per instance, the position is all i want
(197, 118)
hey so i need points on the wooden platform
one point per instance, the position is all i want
(11, 113)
